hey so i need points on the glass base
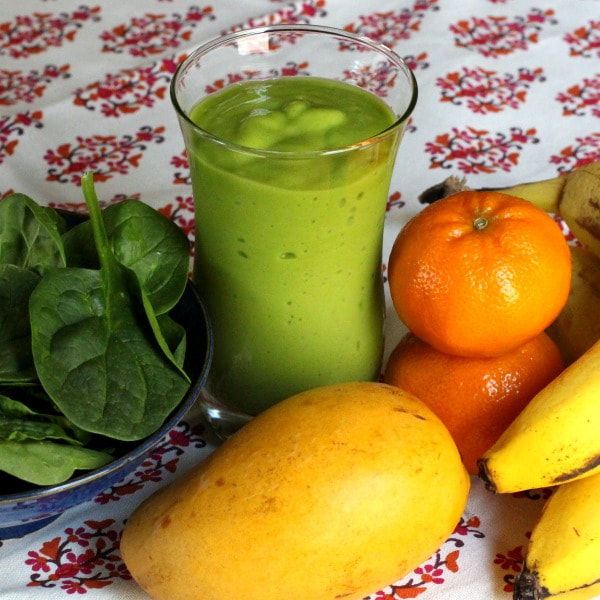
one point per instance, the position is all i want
(223, 421)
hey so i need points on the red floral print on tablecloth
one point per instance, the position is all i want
(585, 40)
(417, 61)
(81, 559)
(105, 155)
(394, 201)
(582, 151)
(29, 86)
(485, 91)
(182, 174)
(496, 36)
(293, 12)
(151, 34)
(181, 211)
(512, 562)
(474, 151)
(160, 461)
(582, 98)
(377, 79)
(391, 26)
(13, 126)
(33, 34)
(436, 570)
(129, 90)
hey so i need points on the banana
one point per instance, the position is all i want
(544, 194)
(555, 438)
(562, 559)
(574, 196)
(580, 205)
(577, 326)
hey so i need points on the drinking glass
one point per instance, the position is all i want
(288, 242)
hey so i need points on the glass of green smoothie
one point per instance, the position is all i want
(291, 132)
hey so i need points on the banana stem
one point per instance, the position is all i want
(545, 194)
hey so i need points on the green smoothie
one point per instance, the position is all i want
(289, 236)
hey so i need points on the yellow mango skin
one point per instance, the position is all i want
(333, 493)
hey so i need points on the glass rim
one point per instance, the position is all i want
(303, 28)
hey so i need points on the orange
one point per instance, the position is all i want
(476, 398)
(479, 273)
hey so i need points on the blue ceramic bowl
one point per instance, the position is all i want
(21, 513)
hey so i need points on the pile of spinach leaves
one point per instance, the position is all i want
(89, 356)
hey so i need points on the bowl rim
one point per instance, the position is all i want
(41, 492)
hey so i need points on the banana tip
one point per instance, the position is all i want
(485, 476)
(527, 587)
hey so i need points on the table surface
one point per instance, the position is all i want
(509, 92)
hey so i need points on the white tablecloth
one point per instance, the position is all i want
(509, 91)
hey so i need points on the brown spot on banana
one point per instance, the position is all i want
(591, 223)
(592, 463)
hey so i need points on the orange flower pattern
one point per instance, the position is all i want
(80, 560)
(437, 568)
(483, 90)
(496, 36)
(32, 34)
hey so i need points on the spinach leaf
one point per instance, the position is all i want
(33, 401)
(175, 337)
(30, 235)
(95, 345)
(16, 360)
(161, 326)
(80, 250)
(142, 239)
(47, 463)
(19, 423)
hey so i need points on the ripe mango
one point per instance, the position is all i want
(333, 493)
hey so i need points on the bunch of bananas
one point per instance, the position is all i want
(555, 441)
